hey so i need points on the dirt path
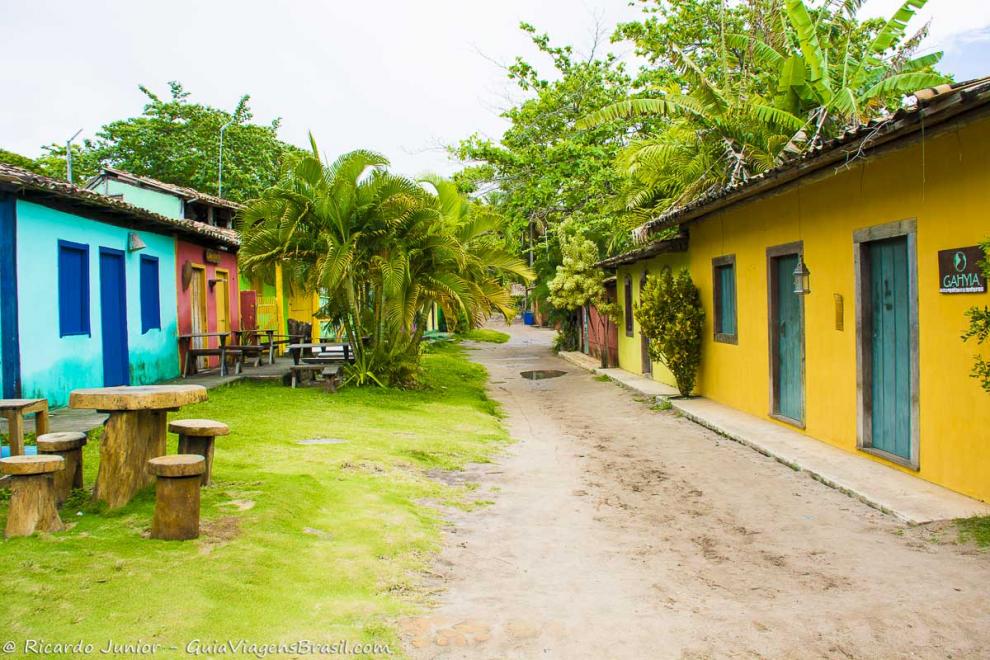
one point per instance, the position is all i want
(621, 532)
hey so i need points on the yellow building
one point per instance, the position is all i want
(886, 220)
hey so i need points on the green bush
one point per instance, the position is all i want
(979, 327)
(671, 317)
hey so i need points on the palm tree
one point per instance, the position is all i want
(380, 249)
(774, 100)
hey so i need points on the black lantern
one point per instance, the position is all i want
(802, 278)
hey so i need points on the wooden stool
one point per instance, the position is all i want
(176, 496)
(14, 410)
(69, 446)
(196, 437)
(32, 499)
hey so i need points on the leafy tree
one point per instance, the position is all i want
(543, 170)
(381, 250)
(578, 282)
(670, 315)
(979, 327)
(178, 142)
(742, 87)
(17, 160)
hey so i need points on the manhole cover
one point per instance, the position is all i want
(322, 441)
(540, 374)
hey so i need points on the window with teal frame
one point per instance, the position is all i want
(724, 287)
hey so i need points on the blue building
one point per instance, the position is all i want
(87, 288)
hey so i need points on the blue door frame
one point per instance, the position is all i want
(113, 317)
(10, 352)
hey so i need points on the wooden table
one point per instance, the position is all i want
(134, 434)
(297, 350)
(14, 410)
(193, 353)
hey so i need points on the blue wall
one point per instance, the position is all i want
(52, 366)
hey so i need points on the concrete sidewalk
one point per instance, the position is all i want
(909, 498)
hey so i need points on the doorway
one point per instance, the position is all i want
(644, 348)
(113, 317)
(221, 291)
(887, 342)
(786, 331)
(197, 311)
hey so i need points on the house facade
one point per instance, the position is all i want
(87, 289)
(204, 265)
(835, 289)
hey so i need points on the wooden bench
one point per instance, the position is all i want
(68, 445)
(14, 410)
(196, 436)
(178, 479)
(330, 373)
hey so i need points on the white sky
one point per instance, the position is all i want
(400, 77)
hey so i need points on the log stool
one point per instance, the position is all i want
(176, 496)
(14, 410)
(32, 499)
(196, 437)
(69, 446)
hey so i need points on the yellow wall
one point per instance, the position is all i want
(630, 352)
(944, 186)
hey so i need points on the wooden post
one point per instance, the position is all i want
(130, 439)
(32, 499)
(176, 496)
(69, 446)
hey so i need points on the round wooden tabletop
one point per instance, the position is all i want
(137, 397)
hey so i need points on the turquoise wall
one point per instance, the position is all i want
(152, 200)
(52, 366)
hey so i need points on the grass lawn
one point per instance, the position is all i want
(485, 334)
(312, 542)
(976, 530)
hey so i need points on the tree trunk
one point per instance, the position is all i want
(32, 506)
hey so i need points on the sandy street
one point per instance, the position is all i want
(618, 531)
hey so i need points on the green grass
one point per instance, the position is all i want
(331, 547)
(976, 530)
(602, 378)
(484, 334)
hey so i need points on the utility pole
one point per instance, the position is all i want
(220, 168)
(68, 155)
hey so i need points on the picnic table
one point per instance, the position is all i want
(14, 410)
(244, 339)
(134, 433)
(222, 350)
(297, 352)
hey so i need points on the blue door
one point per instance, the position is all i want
(113, 317)
(788, 342)
(890, 347)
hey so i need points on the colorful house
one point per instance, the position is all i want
(87, 295)
(835, 288)
(205, 263)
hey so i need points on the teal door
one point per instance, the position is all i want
(788, 342)
(890, 347)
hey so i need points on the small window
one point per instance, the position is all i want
(628, 300)
(73, 289)
(151, 316)
(724, 281)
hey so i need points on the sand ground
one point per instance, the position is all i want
(618, 531)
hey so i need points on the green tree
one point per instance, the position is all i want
(578, 283)
(177, 141)
(381, 250)
(979, 327)
(543, 170)
(670, 315)
(17, 160)
(740, 88)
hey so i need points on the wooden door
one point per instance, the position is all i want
(113, 318)
(787, 340)
(890, 346)
(197, 310)
(221, 292)
(644, 343)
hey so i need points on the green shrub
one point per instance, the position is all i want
(671, 317)
(979, 327)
